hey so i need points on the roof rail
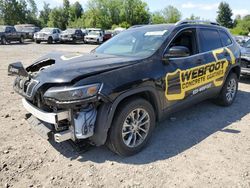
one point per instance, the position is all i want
(196, 22)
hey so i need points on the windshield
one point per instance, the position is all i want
(94, 33)
(71, 31)
(47, 30)
(2, 28)
(141, 42)
(247, 44)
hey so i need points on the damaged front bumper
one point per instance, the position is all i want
(48, 117)
(81, 123)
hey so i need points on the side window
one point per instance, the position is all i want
(226, 40)
(78, 32)
(186, 38)
(209, 40)
(54, 31)
(7, 30)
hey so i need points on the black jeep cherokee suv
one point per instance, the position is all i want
(116, 93)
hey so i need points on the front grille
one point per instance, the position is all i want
(41, 35)
(31, 85)
(25, 86)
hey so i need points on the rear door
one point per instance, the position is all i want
(217, 58)
(14, 34)
(8, 33)
(78, 34)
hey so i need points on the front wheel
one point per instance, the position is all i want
(132, 127)
(229, 91)
(21, 40)
(50, 40)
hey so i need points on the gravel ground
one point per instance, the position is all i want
(204, 146)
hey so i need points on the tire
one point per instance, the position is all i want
(229, 91)
(38, 42)
(50, 40)
(3, 41)
(21, 40)
(126, 137)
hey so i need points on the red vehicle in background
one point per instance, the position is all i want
(107, 35)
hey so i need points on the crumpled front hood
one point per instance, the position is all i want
(65, 68)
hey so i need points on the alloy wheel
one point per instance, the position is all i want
(136, 127)
(231, 90)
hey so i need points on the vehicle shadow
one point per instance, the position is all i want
(17, 43)
(172, 137)
(71, 43)
(64, 43)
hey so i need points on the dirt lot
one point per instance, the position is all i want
(204, 146)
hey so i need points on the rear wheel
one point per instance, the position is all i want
(132, 127)
(38, 41)
(229, 91)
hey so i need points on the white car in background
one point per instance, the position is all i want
(48, 35)
(118, 30)
(94, 36)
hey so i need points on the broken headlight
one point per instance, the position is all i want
(72, 93)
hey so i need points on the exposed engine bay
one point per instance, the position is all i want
(76, 122)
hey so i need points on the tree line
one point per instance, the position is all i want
(106, 14)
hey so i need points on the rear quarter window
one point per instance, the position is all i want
(226, 40)
(209, 40)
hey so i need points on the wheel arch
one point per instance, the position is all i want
(107, 111)
(236, 70)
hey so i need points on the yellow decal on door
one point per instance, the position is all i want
(182, 81)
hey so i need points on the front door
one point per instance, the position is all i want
(184, 81)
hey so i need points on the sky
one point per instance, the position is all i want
(202, 8)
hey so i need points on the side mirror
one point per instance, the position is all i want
(177, 51)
